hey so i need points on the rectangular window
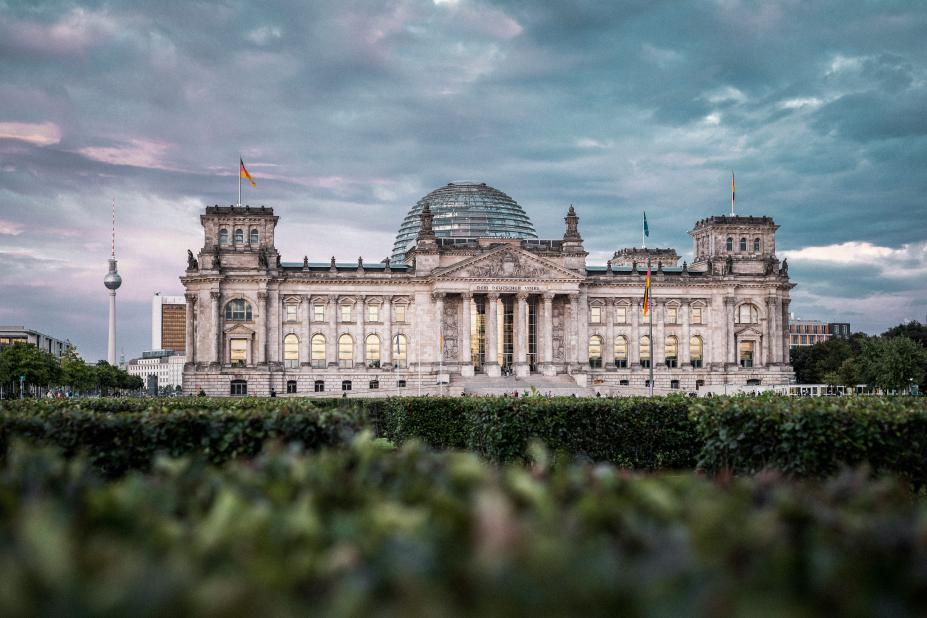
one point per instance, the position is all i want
(621, 315)
(291, 387)
(400, 383)
(696, 315)
(238, 351)
(318, 313)
(291, 312)
(345, 385)
(374, 385)
(595, 315)
(399, 312)
(319, 386)
(672, 313)
(239, 387)
(373, 313)
(345, 313)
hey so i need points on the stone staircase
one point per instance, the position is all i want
(557, 386)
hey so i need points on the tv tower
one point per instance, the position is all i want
(112, 281)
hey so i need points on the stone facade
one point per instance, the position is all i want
(255, 323)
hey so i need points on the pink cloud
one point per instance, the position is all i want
(40, 134)
(10, 228)
(137, 153)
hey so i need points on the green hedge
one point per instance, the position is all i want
(814, 437)
(365, 531)
(126, 434)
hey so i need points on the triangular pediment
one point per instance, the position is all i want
(508, 263)
(748, 330)
(238, 329)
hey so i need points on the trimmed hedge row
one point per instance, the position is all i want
(814, 437)
(364, 530)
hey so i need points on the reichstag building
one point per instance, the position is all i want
(471, 300)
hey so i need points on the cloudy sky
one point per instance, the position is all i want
(348, 112)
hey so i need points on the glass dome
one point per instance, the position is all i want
(465, 210)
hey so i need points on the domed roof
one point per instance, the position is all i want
(465, 210)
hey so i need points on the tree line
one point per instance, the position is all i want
(44, 372)
(892, 361)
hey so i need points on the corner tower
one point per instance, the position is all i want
(729, 244)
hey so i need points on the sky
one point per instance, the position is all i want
(347, 113)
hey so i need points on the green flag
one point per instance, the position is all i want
(646, 229)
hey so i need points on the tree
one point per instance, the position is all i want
(76, 374)
(893, 363)
(913, 330)
(813, 363)
(24, 359)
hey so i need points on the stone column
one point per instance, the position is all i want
(466, 354)
(608, 354)
(216, 351)
(784, 335)
(582, 331)
(438, 297)
(190, 331)
(360, 348)
(546, 340)
(306, 344)
(683, 350)
(730, 352)
(387, 348)
(331, 342)
(262, 326)
(634, 345)
(520, 339)
(491, 361)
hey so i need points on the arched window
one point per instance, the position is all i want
(747, 314)
(239, 236)
(291, 351)
(756, 245)
(239, 310)
(743, 244)
(730, 243)
(254, 236)
(400, 351)
(621, 351)
(317, 350)
(595, 351)
(671, 350)
(645, 351)
(372, 350)
(345, 351)
(223, 237)
(695, 351)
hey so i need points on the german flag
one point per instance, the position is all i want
(647, 291)
(243, 173)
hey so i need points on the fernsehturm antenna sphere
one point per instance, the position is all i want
(112, 281)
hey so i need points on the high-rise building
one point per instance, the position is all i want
(112, 281)
(168, 323)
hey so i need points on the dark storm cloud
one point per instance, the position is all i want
(348, 112)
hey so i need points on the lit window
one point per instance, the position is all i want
(239, 310)
(670, 348)
(373, 313)
(595, 315)
(239, 236)
(317, 350)
(345, 313)
(238, 351)
(743, 244)
(746, 354)
(747, 314)
(318, 312)
(291, 351)
(254, 236)
(672, 313)
(291, 312)
(621, 315)
(645, 351)
(756, 245)
(399, 312)
(372, 350)
(695, 351)
(400, 350)
(345, 351)
(696, 315)
(595, 351)
(223, 237)
(621, 351)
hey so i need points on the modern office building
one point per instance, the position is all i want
(462, 309)
(168, 323)
(166, 365)
(10, 335)
(810, 332)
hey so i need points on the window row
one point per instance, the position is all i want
(240, 387)
(671, 315)
(239, 236)
(240, 310)
(757, 244)
(670, 351)
(345, 351)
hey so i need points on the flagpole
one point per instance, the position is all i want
(732, 193)
(239, 180)
(650, 315)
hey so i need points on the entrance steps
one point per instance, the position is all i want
(560, 385)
